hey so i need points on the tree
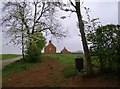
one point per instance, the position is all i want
(23, 19)
(105, 45)
(77, 9)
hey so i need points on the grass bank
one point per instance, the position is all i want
(68, 61)
(7, 56)
(17, 66)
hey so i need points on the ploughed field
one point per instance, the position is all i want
(54, 70)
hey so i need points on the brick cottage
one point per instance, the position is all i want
(50, 48)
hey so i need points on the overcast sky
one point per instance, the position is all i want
(106, 11)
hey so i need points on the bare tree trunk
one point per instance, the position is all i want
(23, 34)
(23, 49)
(84, 42)
(101, 64)
(23, 44)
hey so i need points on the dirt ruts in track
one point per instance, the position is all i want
(45, 74)
(49, 74)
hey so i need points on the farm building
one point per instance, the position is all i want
(50, 48)
(65, 51)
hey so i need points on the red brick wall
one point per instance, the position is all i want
(65, 51)
(50, 48)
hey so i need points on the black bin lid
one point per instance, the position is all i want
(78, 57)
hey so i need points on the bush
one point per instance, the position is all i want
(33, 54)
(84, 74)
(34, 47)
(105, 41)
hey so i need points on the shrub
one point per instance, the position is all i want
(105, 41)
(35, 45)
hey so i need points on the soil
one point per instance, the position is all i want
(93, 82)
(49, 74)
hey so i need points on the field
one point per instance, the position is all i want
(6, 56)
(54, 70)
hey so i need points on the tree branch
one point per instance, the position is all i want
(72, 4)
(35, 4)
(41, 12)
(45, 29)
(68, 10)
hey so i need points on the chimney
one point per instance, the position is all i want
(49, 41)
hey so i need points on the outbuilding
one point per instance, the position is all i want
(65, 51)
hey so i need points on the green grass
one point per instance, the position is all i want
(68, 61)
(6, 56)
(17, 66)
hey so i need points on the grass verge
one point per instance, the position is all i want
(17, 66)
(68, 61)
(6, 56)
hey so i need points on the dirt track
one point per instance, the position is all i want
(50, 74)
(45, 74)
